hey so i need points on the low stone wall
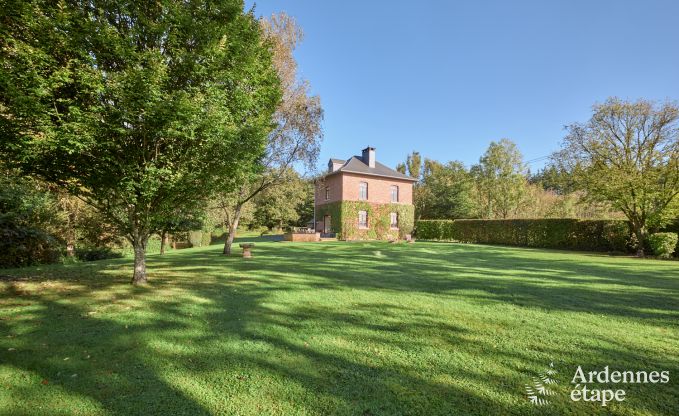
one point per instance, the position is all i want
(302, 237)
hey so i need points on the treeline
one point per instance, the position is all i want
(500, 186)
(41, 224)
(621, 163)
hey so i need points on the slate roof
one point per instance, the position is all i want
(355, 164)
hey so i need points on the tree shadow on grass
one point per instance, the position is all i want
(103, 348)
(637, 289)
(287, 332)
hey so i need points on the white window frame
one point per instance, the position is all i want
(363, 225)
(327, 193)
(394, 194)
(360, 191)
(393, 220)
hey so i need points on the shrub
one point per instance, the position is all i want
(21, 246)
(96, 253)
(673, 227)
(589, 235)
(200, 238)
(663, 244)
(195, 238)
(205, 239)
(28, 222)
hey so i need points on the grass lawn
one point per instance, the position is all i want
(336, 328)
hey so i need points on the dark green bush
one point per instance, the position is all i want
(96, 253)
(25, 246)
(572, 234)
(28, 222)
(663, 244)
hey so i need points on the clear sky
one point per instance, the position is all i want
(448, 77)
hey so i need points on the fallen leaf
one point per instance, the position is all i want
(44, 382)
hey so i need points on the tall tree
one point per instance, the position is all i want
(401, 167)
(554, 178)
(138, 108)
(628, 154)
(500, 180)
(277, 206)
(297, 134)
(445, 191)
(414, 164)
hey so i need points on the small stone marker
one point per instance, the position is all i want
(246, 249)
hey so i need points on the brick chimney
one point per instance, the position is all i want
(369, 156)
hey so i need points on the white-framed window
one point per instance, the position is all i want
(363, 191)
(394, 193)
(393, 220)
(327, 193)
(362, 219)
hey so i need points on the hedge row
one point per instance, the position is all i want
(572, 234)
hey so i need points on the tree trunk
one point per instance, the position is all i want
(233, 227)
(139, 276)
(163, 242)
(71, 235)
(641, 234)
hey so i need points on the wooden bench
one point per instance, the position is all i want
(247, 253)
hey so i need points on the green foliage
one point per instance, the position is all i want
(28, 222)
(305, 206)
(572, 234)
(414, 164)
(554, 178)
(277, 205)
(97, 253)
(500, 180)
(199, 238)
(344, 220)
(663, 244)
(445, 191)
(627, 154)
(141, 108)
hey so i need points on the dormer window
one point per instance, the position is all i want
(363, 191)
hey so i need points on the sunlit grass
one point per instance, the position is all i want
(335, 328)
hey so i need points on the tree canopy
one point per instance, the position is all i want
(138, 108)
(296, 135)
(627, 154)
(500, 180)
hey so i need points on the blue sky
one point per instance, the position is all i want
(448, 77)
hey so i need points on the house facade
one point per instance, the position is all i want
(360, 198)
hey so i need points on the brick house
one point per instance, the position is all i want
(360, 198)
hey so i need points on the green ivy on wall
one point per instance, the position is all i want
(344, 220)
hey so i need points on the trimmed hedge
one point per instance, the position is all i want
(571, 234)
